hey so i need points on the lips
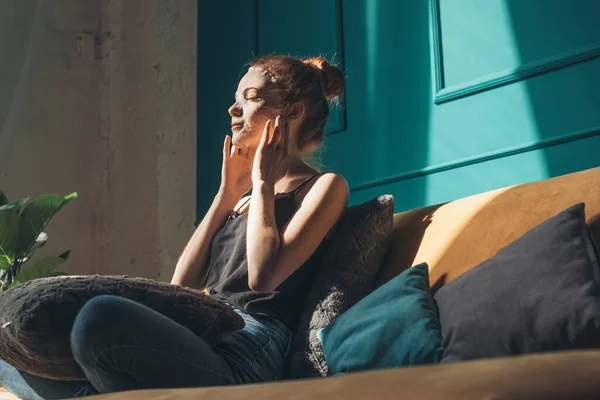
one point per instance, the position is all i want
(236, 125)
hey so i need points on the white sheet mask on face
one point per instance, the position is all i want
(270, 99)
(265, 73)
(274, 91)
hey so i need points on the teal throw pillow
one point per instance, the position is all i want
(396, 325)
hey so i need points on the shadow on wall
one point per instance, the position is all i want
(389, 89)
(566, 100)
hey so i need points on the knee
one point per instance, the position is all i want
(94, 323)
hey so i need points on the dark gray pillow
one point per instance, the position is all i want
(347, 274)
(539, 293)
(36, 317)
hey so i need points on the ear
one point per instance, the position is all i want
(297, 110)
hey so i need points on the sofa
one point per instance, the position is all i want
(452, 238)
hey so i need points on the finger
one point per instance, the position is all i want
(237, 151)
(250, 154)
(274, 140)
(226, 145)
(285, 141)
(265, 136)
(280, 131)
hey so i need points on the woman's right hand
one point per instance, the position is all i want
(236, 173)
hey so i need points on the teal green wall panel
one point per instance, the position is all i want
(388, 100)
(314, 28)
(225, 44)
(476, 178)
(480, 38)
(444, 98)
(543, 106)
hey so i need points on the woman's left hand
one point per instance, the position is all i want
(273, 153)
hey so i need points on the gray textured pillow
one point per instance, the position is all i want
(347, 274)
(36, 317)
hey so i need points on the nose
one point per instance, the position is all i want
(235, 110)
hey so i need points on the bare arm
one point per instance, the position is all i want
(192, 267)
(273, 255)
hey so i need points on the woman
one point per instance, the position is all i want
(257, 253)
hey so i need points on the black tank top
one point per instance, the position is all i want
(228, 274)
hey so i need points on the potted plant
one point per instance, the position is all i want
(21, 226)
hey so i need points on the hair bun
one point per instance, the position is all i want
(333, 78)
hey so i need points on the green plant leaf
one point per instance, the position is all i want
(4, 262)
(9, 233)
(15, 205)
(39, 242)
(3, 199)
(35, 217)
(41, 269)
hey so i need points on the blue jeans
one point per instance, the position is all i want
(124, 345)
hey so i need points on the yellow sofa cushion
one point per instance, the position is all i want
(455, 237)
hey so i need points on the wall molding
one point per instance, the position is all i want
(339, 39)
(463, 162)
(444, 94)
(339, 21)
(436, 45)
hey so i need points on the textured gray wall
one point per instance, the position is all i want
(113, 121)
(176, 133)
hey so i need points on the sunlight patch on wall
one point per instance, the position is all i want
(470, 132)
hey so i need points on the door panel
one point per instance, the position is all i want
(444, 99)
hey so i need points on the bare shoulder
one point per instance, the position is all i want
(332, 182)
(329, 187)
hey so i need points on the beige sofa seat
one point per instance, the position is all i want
(564, 375)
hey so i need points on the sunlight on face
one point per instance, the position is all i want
(256, 101)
